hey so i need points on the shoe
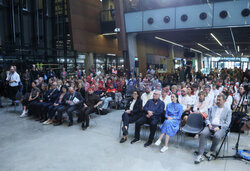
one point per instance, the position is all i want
(82, 125)
(134, 141)
(84, 128)
(1, 106)
(164, 148)
(123, 140)
(38, 119)
(43, 120)
(210, 155)
(198, 159)
(57, 123)
(125, 131)
(158, 142)
(24, 114)
(147, 144)
(70, 124)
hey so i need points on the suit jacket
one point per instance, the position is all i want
(63, 102)
(51, 95)
(137, 106)
(225, 118)
(76, 95)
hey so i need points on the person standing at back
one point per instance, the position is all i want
(13, 79)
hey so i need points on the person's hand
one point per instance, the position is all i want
(68, 102)
(210, 126)
(95, 106)
(75, 103)
(85, 105)
(148, 116)
(169, 118)
(127, 111)
(29, 99)
(41, 101)
(216, 129)
(55, 104)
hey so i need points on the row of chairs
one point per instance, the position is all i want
(194, 125)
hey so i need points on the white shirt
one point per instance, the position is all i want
(132, 105)
(229, 102)
(184, 101)
(216, 119)
(13, 77)
(166, 101)
(210, 99)
(203, 107)
(145, 97)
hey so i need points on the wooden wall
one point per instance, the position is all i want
(86, 28)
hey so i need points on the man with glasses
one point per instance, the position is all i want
(152, 114)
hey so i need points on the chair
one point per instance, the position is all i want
(194, 125)
(16, 102)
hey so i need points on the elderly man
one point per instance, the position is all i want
(13, 79)
(74, 101)
(218, 121)
(153, 110)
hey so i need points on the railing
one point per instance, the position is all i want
(141, 5)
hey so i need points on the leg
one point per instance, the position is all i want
(70, 111)
(87, 112)
(138, 125)
(216, 139)
(153, 128)
(125, 119)
(203, 140)
(106, 102)
(60, 112)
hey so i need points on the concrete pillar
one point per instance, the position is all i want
(170, 60)
(199, 60)
(132, 49)
(89, 61)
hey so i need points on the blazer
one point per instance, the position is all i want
(225, 118)
(137, 106)
(76, 95)
(63, 102)
(51, 96)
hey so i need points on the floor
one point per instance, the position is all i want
(28, 145)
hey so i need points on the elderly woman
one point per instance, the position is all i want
(172, 122)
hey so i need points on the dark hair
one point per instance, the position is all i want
(64, 86)
(139, 94)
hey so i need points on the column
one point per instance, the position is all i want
(89, 61)
(170, 60)
(132, 49)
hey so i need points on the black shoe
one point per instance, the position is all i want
(123, 140)
(43, 120)
(13, 104)
(70, 124)
(125, 131)
(134, 141)
(84, 127)
(78, 120)
(1, 106)
(147, 144)
(57, 123)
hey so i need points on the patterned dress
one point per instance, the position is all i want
(170, 127)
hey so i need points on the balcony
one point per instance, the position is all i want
(107, 19)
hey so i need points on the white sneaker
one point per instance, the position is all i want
(163, 149)
(24, 114)
(158, 142)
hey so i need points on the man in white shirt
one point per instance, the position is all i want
(210, 96)
(217, 122)
(13, 79)
(185, 100)
(147, 95)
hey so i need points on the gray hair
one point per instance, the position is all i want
(223, 96)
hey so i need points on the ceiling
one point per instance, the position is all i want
(191, 38)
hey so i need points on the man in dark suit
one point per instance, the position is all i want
(153, 110)
(132, 113)
(49, 99)
(74, 101)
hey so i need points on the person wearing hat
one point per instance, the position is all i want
(91, 102)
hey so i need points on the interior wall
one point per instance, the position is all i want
(86, 28)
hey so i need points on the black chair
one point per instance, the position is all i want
(194, 125)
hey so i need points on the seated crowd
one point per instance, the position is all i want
(149, 100)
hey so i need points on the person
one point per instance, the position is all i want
(171, 125)
(13, 79)
(217, 122)
(106, 98)
(59, 103)
(152, 114)
(132, 113)
(147, 95)
(91, 102)
(31, 101)
(150, 70)
(33, 73)
(210, 96)
(188, 68)
(64, 73)
(166, 99)
(74, 101)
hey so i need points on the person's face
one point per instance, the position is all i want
(201, 98)
(156, 95)
(189, 90)
(12, 70)
(164, 93)
(173, 98)
(147, 90)
(135, 95)
(64, 90)
(207, 90)
(220, 101)
(183, 92)
(91, 91)
(174, 90)
(241, 90)
(33, 85)
(54, 85)
(71, 90)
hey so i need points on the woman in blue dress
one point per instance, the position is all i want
(171, 125)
